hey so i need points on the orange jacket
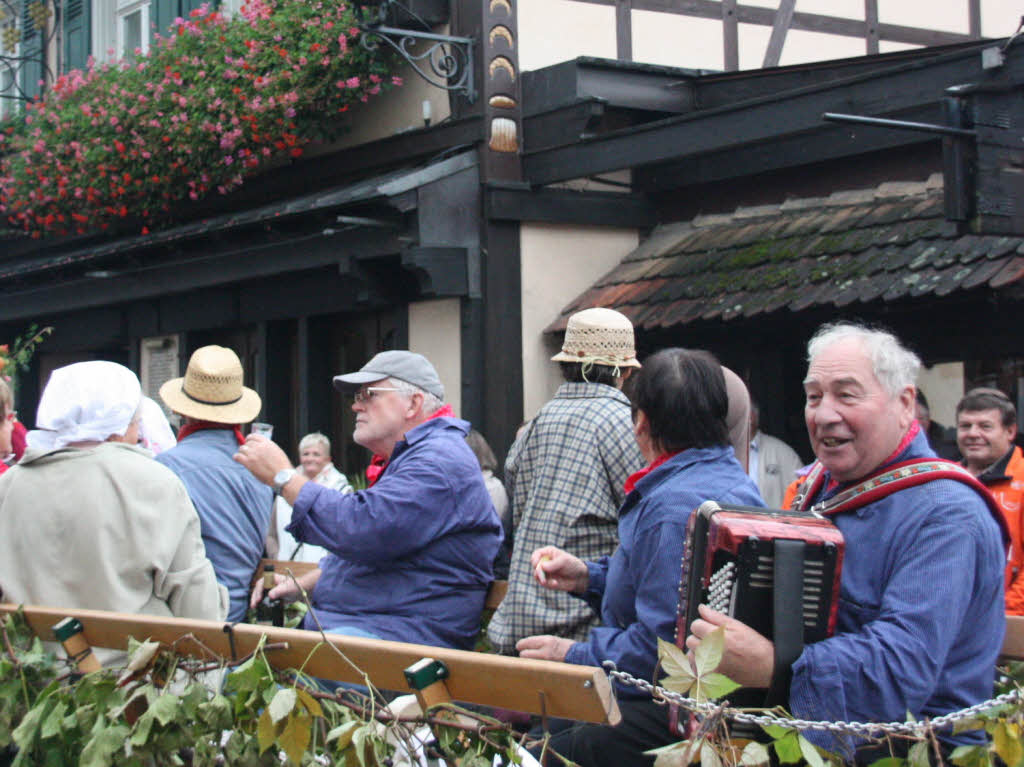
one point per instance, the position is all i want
(1009, 494)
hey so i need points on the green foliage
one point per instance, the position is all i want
(163, 709)
(712, 746)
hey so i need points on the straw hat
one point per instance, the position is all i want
(599, 337)
(212, 389)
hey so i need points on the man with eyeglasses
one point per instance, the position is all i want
(986, 426)
(410, 556)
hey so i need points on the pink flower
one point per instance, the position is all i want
(352, 82)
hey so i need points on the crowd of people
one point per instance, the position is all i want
(108, 509)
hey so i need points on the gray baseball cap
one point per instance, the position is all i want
(405, 366)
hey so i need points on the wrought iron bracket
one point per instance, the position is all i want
(444, 61)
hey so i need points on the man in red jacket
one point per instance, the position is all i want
(986, 425)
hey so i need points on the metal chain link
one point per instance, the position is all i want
(860, 729)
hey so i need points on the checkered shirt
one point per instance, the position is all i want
(565, 478)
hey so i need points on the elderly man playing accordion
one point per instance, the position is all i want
(920, 617)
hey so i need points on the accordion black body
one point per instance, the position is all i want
(776, 571)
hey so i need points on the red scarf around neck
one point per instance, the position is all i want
(637, 476)
(194, 426)
(380, 462)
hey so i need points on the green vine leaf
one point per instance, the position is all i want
(754, 754)
(295, 737)
(282, 704)
(918, 754)
(103, 746)
(342, 734)
(788, 748)
(717, 685)
(810, 752)
(888, 761)
(970, 756)
(266, 731)
(708, 655)
(672, 755)
(1007, 742)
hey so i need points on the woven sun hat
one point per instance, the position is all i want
(404, 365)
(212, 389)
(599, 337)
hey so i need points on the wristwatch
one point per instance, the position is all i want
(282, 478)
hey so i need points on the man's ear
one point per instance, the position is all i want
(415, 405)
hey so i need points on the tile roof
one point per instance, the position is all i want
(883, 244)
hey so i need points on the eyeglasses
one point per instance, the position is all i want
(365, 395)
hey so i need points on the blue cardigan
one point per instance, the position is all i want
(638, 586)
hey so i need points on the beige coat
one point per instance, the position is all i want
(105, 528)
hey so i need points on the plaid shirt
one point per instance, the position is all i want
(565, 477)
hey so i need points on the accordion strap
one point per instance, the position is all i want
(910, 473)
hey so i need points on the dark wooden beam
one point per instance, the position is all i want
(191, 272)
(624, 30)
(783, 19)
(730, 36)
(566, 206)
(827, 143)
(871, 26)
(763, 120)
(807, 22)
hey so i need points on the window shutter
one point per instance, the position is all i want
(77, 38)
(31, 49)
(162, 14)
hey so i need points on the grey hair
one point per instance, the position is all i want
(431, 404)
(895, 366)
(315, 438)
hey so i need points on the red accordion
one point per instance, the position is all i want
(776, 571)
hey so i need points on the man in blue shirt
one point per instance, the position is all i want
(234, 509)
(920, 620)
(410, 556)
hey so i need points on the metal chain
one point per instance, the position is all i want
(860, 729)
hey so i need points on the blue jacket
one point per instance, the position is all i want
(411, 556)
(233, 506)
(921, 616)
(638, 586)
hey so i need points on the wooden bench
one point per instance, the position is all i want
(495, 593)
(582, 693)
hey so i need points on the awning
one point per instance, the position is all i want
(886, 244)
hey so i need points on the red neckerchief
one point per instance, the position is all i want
(380, 462)
(194, 426)
(638, 475)
(913, 431)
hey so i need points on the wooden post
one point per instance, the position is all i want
(69, 634)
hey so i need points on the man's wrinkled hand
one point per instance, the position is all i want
(749, 657)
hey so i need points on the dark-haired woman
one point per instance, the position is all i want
(679, 412)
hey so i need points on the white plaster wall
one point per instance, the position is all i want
(557, 30)
(558, 263)
(943, 385)
(435, 331)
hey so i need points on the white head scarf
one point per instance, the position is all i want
(154, 430)
(85, 402)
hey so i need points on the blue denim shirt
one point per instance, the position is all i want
(921, 617)
(411, 556)
(638, 586)
(233, 506)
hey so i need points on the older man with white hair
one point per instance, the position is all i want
(920, 619)
(411, 555)
(89, 520)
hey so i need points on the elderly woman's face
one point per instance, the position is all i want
(313, 459)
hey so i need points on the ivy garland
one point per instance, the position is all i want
(213, 102)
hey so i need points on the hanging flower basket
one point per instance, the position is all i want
(212, 103)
